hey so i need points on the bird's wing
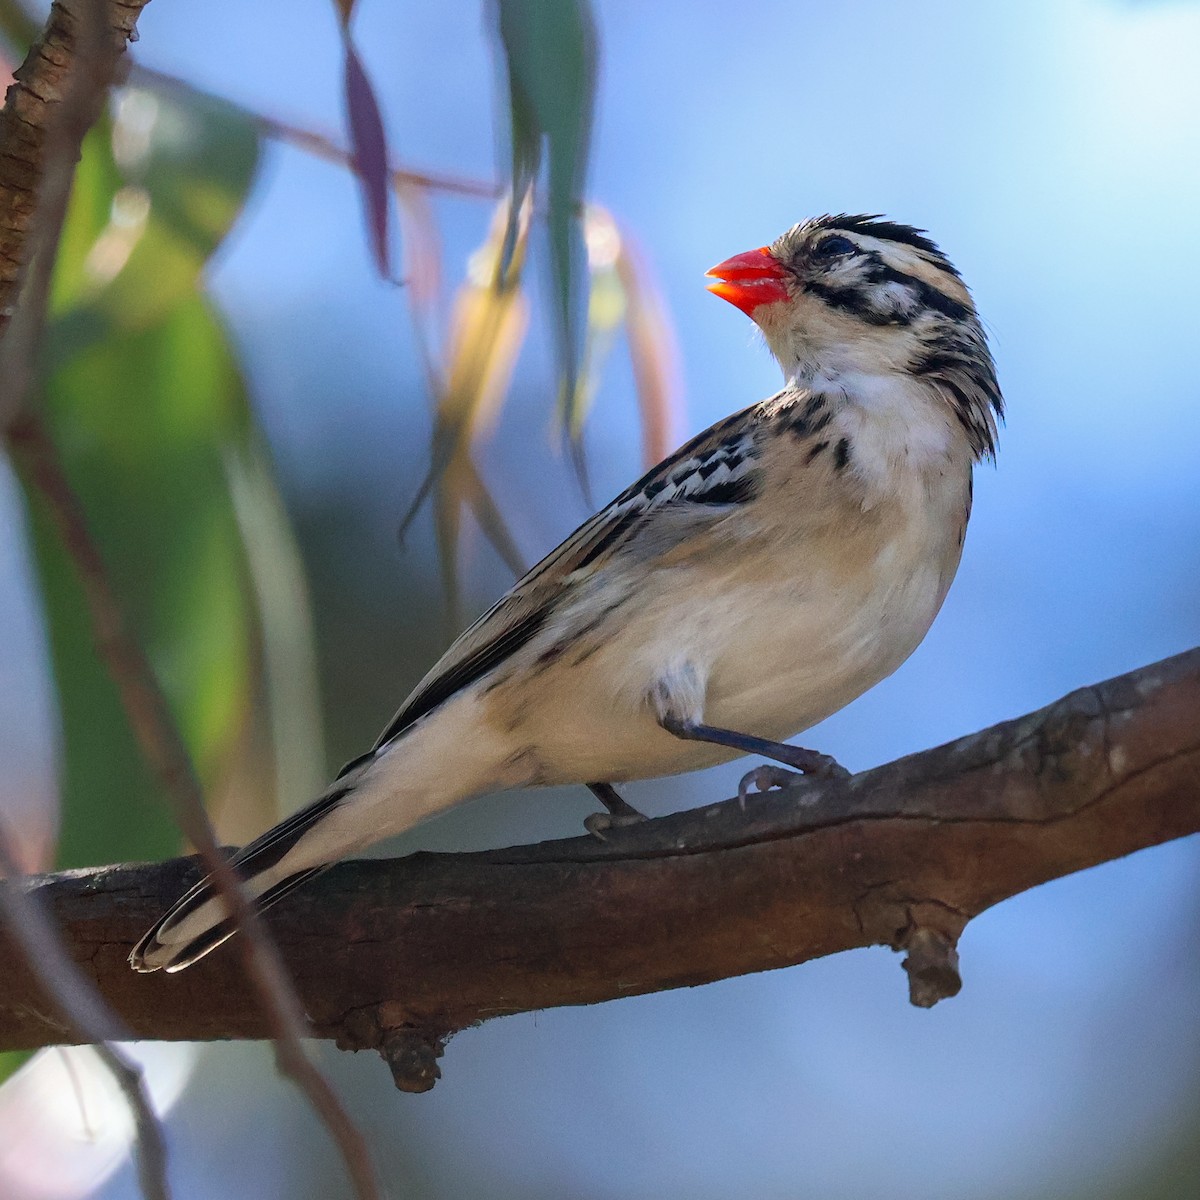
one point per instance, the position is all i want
(716, 468)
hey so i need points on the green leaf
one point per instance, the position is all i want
(606, 311)
(11, 1061)
(550, 53)
(145, 402)
(140, 419)
(160, 184)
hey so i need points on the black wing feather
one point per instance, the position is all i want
(463, 674)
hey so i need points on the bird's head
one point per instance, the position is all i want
(843, 296)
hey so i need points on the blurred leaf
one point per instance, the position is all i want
(622, 293)
(422, 250)
(11, 1061)
(160, 185)
(479, 499)
(487, 326)
(462, 485)
(652, 352)
(369, 154)
(146, 405)
(345, 10)
(550, 54)
(285, 616)
(139, 419)
(605, 311)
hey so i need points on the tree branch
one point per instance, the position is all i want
(397, 955)
(41, 85)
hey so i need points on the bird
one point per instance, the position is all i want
(755, 581)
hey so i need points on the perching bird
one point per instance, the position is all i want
(751, 584)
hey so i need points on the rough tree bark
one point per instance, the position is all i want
(397, 955)
(39, 87)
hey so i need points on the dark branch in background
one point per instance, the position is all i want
(54, 98)
(396, 956)
(69, 994)
(57, 95)
(323, 146)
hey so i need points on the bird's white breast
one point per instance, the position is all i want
(796, 604)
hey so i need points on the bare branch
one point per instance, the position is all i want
(396, 956)
(328, 148)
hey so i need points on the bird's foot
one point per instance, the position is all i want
(810, 764)
(620, 814)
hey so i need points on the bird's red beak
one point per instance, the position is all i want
(750, 279)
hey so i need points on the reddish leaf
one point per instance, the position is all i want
(487, 328)
(369, 154)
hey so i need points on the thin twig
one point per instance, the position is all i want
(81, 1008)
(323, 146)
(158, 738)
(36, 455)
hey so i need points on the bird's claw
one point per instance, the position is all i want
(812, 766)
(599, 824)
(763, 778)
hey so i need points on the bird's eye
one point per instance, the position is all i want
(834, 246)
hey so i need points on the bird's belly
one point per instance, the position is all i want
(778, 651)
(802, 661)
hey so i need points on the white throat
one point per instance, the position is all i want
(900, 429)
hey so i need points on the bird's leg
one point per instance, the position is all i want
(808, 762)
(620, 812)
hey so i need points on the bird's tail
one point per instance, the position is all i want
(435, 764)
(283, 858)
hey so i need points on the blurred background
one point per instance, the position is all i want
(224, 343)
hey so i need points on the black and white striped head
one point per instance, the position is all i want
(840, 296)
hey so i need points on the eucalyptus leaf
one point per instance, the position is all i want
(370, 156)
(550, 56)
(145, 401)
(139, 418)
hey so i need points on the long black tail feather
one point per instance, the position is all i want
(158, 950)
